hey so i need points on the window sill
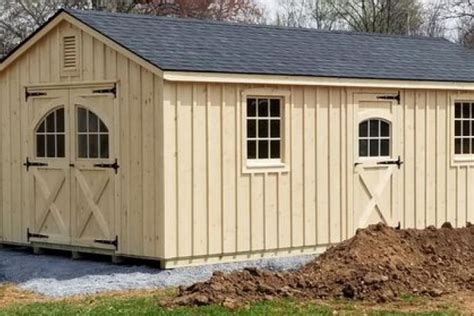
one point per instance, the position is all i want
(463, 159)
(264, 167)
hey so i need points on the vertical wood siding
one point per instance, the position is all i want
(139, 220)
(213, 209)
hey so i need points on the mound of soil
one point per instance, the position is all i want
(378, 264)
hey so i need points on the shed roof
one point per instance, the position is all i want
(201, 46)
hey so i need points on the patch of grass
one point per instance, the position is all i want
(147, 305)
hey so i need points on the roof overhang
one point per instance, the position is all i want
(207, 77)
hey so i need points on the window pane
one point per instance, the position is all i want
(363, 150)
(81, 120)
(374, 127)
(93, 146)
(40, 142)
(364, 129)
(384, 147)
(252, 128)
(374, 148)
(61, 146)
(251, 107)
(275, 108)
(251, 149)
(275, 149)
(82, 146)
(41, 128)
(275, 128)
(263, 149)
(93, 123)
(262, 128)
(50, 123)
(457, 146)
(263, 107)
(466, 145)
(60, 121)
(472, 110)
(51, 146)
(466, 110)
(457, 110)
(104, 146)
(103, 128)
(457, 128)
(384, 129)
(466, 125)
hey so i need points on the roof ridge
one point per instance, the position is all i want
(267, 26)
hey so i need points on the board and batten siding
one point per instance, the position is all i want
(215, 211)
(138, 222)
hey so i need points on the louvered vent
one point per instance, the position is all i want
(69, 53)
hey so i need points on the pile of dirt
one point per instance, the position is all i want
(378, 264)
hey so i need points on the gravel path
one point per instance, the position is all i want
(59, 276)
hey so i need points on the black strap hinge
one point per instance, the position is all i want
(397, 162)
(29, 164)
(112, 91)
(33, 94)
(390, 97)
(30, 235)
(108, 242)
(114, 165)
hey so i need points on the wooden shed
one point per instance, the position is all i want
(192, 142)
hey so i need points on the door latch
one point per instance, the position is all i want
(29, 164)
(397, 162)
(114, 165)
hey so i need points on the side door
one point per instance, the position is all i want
(94, 167)
(47, 166)
(377, 161)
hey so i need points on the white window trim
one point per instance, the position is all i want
(266, 165)
(458, 159)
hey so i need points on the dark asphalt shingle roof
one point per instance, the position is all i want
(191, 45)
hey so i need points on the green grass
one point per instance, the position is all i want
(148, 306)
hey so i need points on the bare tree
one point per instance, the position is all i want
(293, 13)
(248, 11)
(318, 14)
(323, 16)
(381, 16)
(463, 12)
(434, 17)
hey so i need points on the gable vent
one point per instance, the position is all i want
(69, 53)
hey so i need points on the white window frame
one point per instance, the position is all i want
(458, 159)
(266, 165)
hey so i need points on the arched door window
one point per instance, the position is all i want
(50, 136)
(374, 138)
(92, 135)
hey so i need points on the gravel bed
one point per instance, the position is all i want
(59, 276)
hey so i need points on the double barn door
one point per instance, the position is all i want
(72, 166)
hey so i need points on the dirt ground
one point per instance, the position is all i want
(379, 265)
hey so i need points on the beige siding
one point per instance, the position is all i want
(139, 222)
(214, 209)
